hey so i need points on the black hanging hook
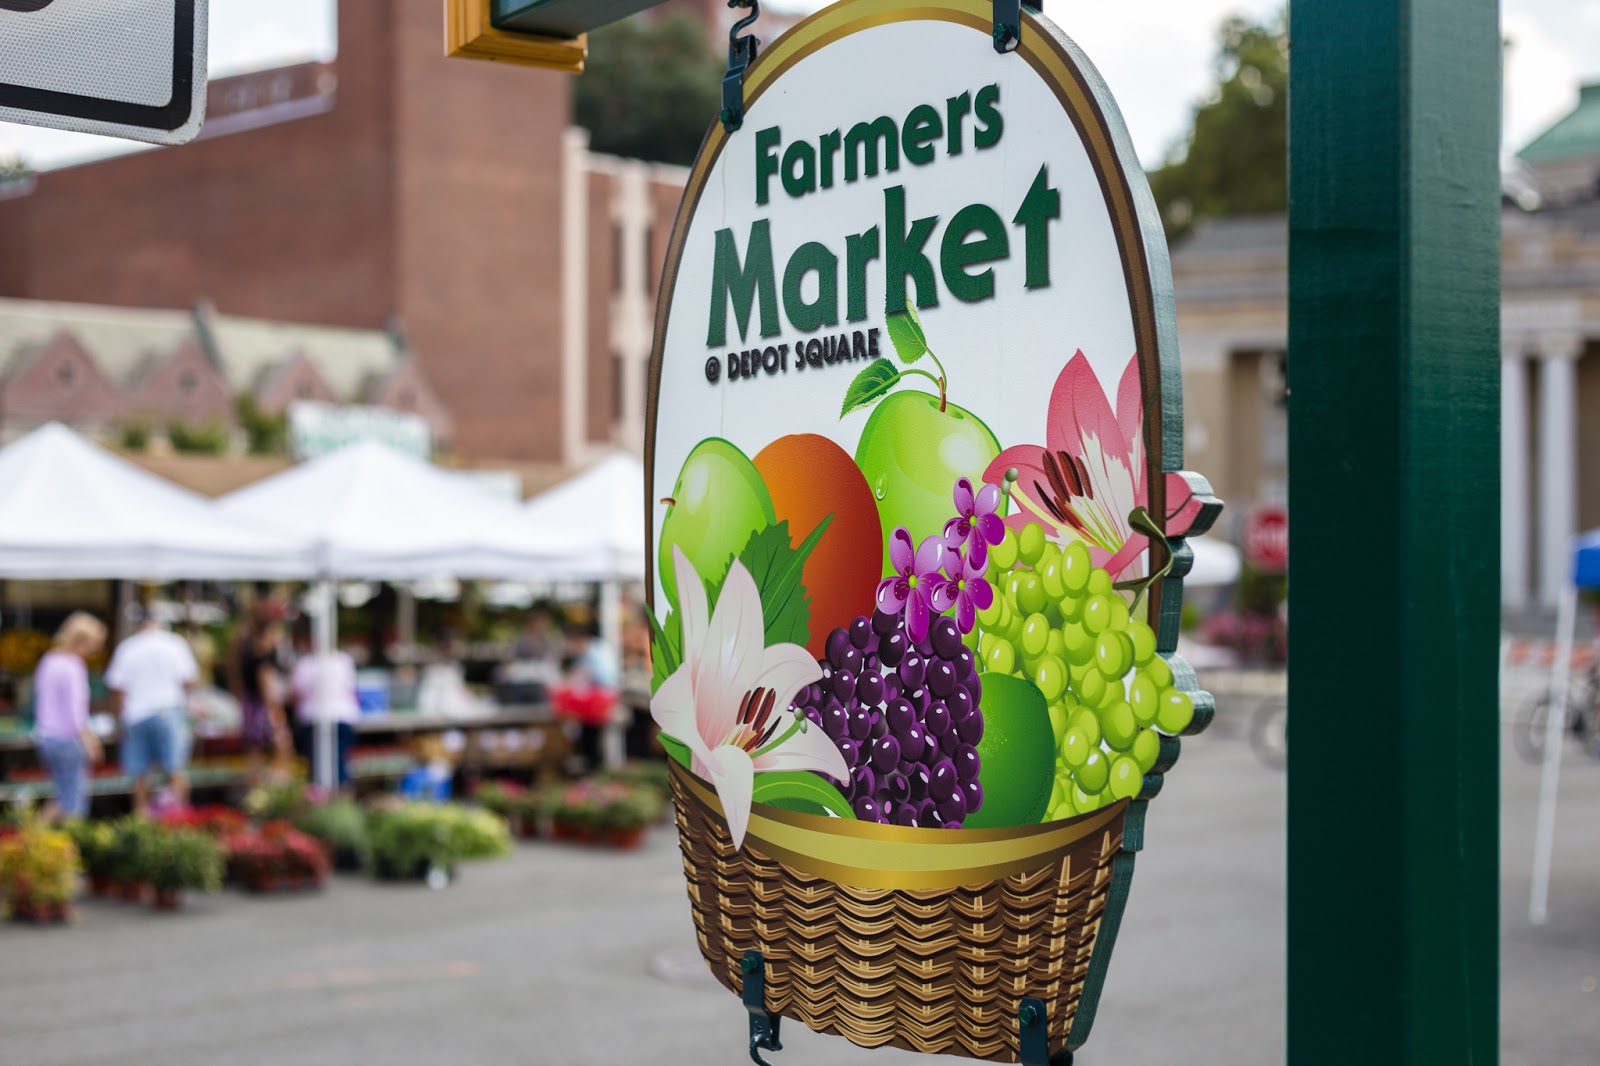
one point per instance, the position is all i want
(763, 1023)
(1008, 23)
(741, 53)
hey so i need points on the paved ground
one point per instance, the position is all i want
(553, 957)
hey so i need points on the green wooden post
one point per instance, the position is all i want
(1394, 472)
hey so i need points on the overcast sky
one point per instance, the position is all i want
(1156, 55)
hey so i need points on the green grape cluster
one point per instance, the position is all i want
(1057, 621)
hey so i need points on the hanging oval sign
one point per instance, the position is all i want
(916, 528)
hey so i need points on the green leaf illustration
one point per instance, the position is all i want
(678, 751)
(905, 331)
(666, 648)
(870, 386)
(800, 790)
(776, 567)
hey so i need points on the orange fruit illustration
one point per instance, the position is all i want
(810, 477)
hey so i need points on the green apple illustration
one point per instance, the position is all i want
(717, 503)
(916, 444)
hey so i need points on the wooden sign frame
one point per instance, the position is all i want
(469, 33)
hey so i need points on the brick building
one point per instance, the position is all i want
(391, 190)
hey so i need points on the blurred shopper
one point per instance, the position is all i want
(263, 725)
(588, 693)
(151, 673)
(67, 746)
(538, 642)
(323, 687)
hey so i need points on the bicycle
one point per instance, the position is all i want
(1269, 733)
(1528, 730)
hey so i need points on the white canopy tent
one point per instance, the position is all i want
(1216, 563)
(71, 509)
(369, 511)
(1585, 575)
(605, 506)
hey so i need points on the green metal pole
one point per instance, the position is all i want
(1394, 475)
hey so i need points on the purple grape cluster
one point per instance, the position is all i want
(905, 716)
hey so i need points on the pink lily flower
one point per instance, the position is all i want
(1089, 476)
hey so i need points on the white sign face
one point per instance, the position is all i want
(318, 428)
(120, 68)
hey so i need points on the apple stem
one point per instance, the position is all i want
(943, 399)
(668, 501)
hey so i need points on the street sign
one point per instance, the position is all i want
(471, 30)
(914, 496)
(120, 68)
(1266, 538)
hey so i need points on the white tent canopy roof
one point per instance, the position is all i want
(604, 506)
(71, 509)
(373, 512)
(1216, 562)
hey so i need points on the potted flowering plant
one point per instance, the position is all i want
(214, 819)
(96, 843)
(514, 803)
(38, 870)
(600, 811)
(277, 856)
(175, 861)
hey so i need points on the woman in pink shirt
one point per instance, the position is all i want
(66, 745)
(328, 683)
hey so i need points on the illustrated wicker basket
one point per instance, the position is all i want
(915, 938)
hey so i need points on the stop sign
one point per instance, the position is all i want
(1266, 538)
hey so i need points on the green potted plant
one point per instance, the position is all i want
(475, 833)
(176, 861)
(410, 843)
(96, 843)
(38, 871)
(341, 826)
(125, 859)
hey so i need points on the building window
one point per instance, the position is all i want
(187, 383)
(302, 390)
(616, 257)
(649, 258)
(66, 375)
(619, 367)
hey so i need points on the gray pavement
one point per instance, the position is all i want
(555, 956)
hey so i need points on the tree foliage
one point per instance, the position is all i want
(650, 89)
(1234, 160)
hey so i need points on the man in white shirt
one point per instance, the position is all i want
(151, 672)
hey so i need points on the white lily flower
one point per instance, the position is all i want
(730, 700)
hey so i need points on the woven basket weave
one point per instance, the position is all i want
(929, 945)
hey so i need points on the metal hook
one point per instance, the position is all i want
(741, 54)
(1007, 31)
(763, 1023)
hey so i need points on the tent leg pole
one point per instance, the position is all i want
(323, 731)
(1555, 730)
(612, 744)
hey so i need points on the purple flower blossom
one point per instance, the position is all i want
(966, 588)
(918, 586)
(975, 526)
